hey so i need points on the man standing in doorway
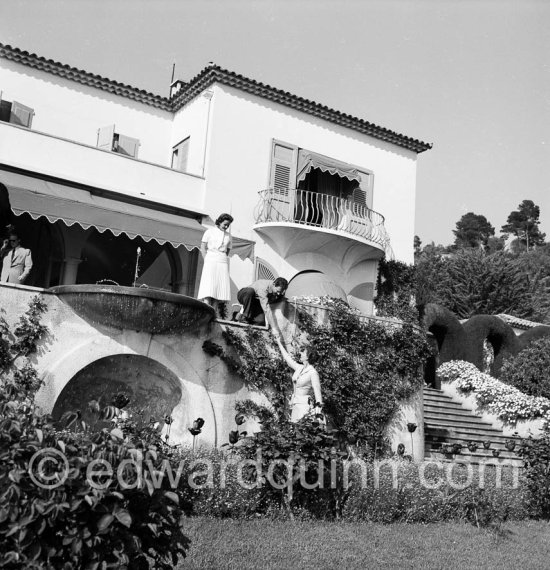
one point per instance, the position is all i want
(16, 260)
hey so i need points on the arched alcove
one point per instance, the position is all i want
(150, 386)
(314, 283)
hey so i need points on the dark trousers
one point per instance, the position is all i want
(252, 310)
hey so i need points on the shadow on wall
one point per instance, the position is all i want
(464, 341)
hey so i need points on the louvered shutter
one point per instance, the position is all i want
(105, 136)
(282, 179)
(21, 114)
(128, 146)
(5, 109)
(283, 167)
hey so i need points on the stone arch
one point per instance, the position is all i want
(498, 334)
(150, 386)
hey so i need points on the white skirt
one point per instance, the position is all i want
(215, 281)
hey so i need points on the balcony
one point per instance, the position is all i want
(300, 221)
(49, 155)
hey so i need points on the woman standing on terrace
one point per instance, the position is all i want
(306, 396)
(215, 285)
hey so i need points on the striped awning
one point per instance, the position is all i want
(60, 202)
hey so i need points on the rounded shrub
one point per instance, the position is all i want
(529, 371)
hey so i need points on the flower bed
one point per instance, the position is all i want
(504, 401)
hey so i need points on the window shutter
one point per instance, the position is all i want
(105, 136)
(283, 167)
(21, 115)
(180, 154)
(5, 109)
(128, 146)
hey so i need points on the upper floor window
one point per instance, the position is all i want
(108, 139)
(180, 154)
(16, 113)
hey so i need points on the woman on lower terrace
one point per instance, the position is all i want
(306, 396)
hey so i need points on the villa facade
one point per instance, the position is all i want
(91, 169)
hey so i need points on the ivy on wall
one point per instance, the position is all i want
(366, 369)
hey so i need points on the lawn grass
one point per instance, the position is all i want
(265, 545)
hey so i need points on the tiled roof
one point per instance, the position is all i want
(215, 74)
(208, 76)
(84, 77)
(518, 323)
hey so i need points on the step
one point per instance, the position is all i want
(454, 419)
(505, 462)
(445, 406)
(444, 412)
(444, 435)
(461, 428)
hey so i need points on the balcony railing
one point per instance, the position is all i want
(321, 211)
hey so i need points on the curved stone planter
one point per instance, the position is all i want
(147, 310)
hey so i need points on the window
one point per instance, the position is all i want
(179, 155)
(108, 139)
(16, 113)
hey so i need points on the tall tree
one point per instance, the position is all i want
(473, 230)
(417, 245)
(524, 224)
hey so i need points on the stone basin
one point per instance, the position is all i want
(143, 309)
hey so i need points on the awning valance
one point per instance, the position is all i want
(41, 198)
(308, 160)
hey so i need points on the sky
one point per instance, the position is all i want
(470, 76)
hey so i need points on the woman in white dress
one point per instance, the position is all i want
(215, 247)
(306, 396)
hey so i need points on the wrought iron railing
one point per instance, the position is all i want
(321, 211)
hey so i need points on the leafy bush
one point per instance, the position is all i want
(529, 371)
(404, 493)
(472, 282)
(54, 512)
(297, 465)
(396, 290)
(366, 369)
(536, 455)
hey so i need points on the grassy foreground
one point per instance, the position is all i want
(264, 544)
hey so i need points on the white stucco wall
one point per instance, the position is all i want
(242, 128)
(71, 110)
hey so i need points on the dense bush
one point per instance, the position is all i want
(471, 282)
(54, 512)
(536, 455)
(406, 492)
(396, 290)
(529, 371)
(366, 369)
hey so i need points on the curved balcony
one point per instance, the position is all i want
(299, 221)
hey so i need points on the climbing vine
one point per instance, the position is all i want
(366, 369)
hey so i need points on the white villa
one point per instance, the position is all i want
(91, 169)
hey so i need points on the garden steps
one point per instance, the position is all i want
(447, 421)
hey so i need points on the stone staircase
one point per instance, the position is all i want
(448, 422)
